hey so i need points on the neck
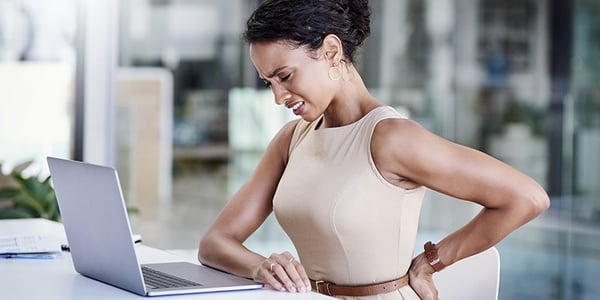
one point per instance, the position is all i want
(352, 102)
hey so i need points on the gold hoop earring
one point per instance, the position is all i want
(347, 75)
(334, 72)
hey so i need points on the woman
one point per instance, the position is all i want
(346, 179)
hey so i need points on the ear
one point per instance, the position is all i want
(332, 49)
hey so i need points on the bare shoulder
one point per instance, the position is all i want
(281, 141)
(395, 145)
(404, 150)
(286, 131)
(397, 126)
(284, 135)
(389, 134)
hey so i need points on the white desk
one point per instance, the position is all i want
(26, 279)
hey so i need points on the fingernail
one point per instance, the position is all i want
(292, 288)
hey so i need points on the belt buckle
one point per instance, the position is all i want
(318, 284)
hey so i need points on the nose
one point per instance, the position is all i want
(281, 94)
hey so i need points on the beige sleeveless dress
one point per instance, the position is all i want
(349, 225)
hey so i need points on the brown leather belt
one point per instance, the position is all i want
(332, 289)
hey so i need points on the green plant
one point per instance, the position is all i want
(26, 197)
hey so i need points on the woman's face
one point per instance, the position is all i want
(297, 76)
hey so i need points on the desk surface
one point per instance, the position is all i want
(57, 279)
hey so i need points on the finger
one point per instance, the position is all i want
(265, 275)
(285, 274)
(289, 272)
(298, 275)
(273, 281)
(303, 277)
(296, 272)
(270, 277)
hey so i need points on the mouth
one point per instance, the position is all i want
(297, 107)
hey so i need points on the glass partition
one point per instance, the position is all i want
(37, 71)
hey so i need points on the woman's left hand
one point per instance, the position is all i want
(421, 278)
(281, 271)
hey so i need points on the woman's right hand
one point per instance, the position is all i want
(282, 272)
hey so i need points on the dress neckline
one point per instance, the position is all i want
(319, 122)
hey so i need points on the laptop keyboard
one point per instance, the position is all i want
(158, 280)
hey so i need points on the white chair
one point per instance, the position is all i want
(474, 278)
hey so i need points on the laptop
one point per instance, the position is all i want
(98, 231)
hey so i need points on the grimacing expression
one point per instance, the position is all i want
(296, 75)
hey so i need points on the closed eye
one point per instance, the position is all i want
(268, 84)
(286, 77)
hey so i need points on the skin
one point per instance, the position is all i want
(406, 154)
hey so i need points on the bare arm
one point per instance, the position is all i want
(409, 155)
(222, 245)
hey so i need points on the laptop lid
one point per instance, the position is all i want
(98, 230)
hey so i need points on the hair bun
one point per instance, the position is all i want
(308, 22)
(360, 16)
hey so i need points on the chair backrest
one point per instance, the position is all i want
(475, 277)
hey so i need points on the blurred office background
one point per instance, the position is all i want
(164, 91)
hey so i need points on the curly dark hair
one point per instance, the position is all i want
(307, 22)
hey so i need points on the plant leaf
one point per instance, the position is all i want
(30, 185)
(53, 212)
(14, 213)
(26, 201)
(28, 196)
(133, 210)
(8, 193)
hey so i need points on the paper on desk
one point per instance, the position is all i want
(30, 256)
(29, 246)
